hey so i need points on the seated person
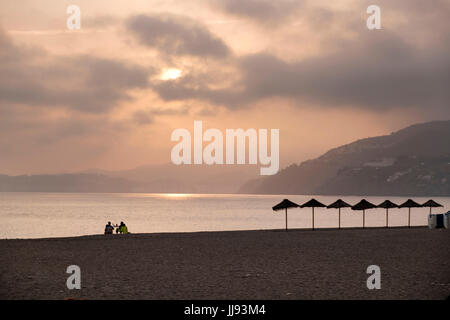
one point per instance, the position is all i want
(109, 228)
(123, 228)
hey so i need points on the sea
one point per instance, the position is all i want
(49, 215)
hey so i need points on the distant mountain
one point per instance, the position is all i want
(414, 161)
(186, 178)
(166, 178)
(65, 183)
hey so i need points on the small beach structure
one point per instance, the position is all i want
(363, 205)
(285, 204)
(338, 204)
(387, 204)
(410, 204)
(431, 204)
(313, 203)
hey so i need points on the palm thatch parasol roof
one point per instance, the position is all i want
(410, 204)
(363, 205)
(285, 204)
(313, 203)
(339, 204)
(387, 204)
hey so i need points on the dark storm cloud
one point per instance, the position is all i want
(84, 83)
(177, 35)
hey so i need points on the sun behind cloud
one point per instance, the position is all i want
(171, 74)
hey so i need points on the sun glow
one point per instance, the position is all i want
(170, 74)
(177, 195)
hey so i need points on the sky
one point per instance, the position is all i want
(110, 94)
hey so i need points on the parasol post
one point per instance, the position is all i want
(409, 217)
(286, 220)
(387, 218)
(313, 218)
(339, 218)
(364, 219)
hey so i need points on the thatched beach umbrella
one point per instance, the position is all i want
(432, 204)
(387, 205)
(363, 205)
(338, 204)
(410, 204)
(285, 204)
(313, 203)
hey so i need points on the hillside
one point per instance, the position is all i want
(414, 161)
(65, 183)
(165, 178)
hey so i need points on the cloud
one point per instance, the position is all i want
(177, 35)
(377, 71)
(265, 12)
(103, 21)
(145, 117)
(49, 102)
(86, 83)
(372, 70)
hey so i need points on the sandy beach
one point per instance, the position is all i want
(299, 264)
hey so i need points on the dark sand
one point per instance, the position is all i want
(299, 264)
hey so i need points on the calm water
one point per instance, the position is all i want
(38, 215)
